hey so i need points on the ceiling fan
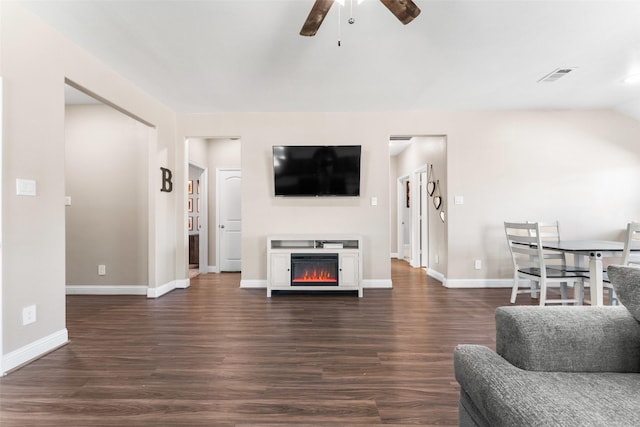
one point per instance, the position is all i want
(404, 10)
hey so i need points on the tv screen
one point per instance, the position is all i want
(315, 171)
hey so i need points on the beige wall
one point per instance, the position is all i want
(107, 179)
(579, 167)
(35, 61)
(263, 214)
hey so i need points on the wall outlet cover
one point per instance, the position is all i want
(28, 315)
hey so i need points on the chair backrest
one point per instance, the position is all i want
(525, 244)
(632, 240)
(550, 232)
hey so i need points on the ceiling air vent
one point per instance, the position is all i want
(556, 74)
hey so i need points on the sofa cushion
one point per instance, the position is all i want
(626, 282)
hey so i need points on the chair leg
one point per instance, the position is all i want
(564, 294)
(514, 289)
(578, 291)
(534, 289)
(543, 292)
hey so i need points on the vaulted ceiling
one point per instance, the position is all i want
(247, 55)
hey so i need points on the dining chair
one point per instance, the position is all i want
(530, 262)
(550, 233)
(632, 238)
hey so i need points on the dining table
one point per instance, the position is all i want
(595, 251)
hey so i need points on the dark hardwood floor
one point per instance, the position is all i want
(218, 355)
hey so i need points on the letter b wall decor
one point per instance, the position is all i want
(167, 183)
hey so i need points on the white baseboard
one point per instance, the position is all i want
(253, 284)
(469, 283)
(183, 283)
(34, 350)
(394, 255)
(105, 290)
(478, 283)
(377, 284)
(436, 275)
(127, 290)
(213, 269)
(162, 290)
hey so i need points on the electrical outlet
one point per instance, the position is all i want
(102, 270)
(478, 264)
(437, 259)
(29, 315)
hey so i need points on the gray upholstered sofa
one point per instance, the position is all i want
(557, 366)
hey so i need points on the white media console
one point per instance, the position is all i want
(314, 263)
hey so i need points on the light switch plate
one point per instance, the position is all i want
(25, 187)
(458, 200)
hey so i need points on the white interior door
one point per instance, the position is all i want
(424, 223)
(229, 219)
(406, 220)
(203, 206)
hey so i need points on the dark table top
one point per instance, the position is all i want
(588, 246)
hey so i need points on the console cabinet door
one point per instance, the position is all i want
(349, 270)
(280, 270)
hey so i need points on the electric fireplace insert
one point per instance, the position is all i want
(314, 269)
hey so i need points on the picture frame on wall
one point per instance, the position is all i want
(190, 204)
(190, 223)
(190, 186)
(408, 194)
(198, 187)
(198, 205)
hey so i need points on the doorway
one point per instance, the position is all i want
(418, 233)
(197, 219)
(404, 218)
(214, 156)
(107, 185)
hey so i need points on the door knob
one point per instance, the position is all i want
(221, 225)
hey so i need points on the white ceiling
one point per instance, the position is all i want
(246, 55)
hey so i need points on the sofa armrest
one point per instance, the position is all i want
(480, 372)
(569, 339)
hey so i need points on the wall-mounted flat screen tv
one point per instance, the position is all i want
(316, 171)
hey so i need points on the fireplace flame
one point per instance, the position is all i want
(316, 275)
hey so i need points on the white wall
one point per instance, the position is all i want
(107, 179)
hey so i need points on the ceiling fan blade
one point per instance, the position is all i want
(315, 18)
(404, 10)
